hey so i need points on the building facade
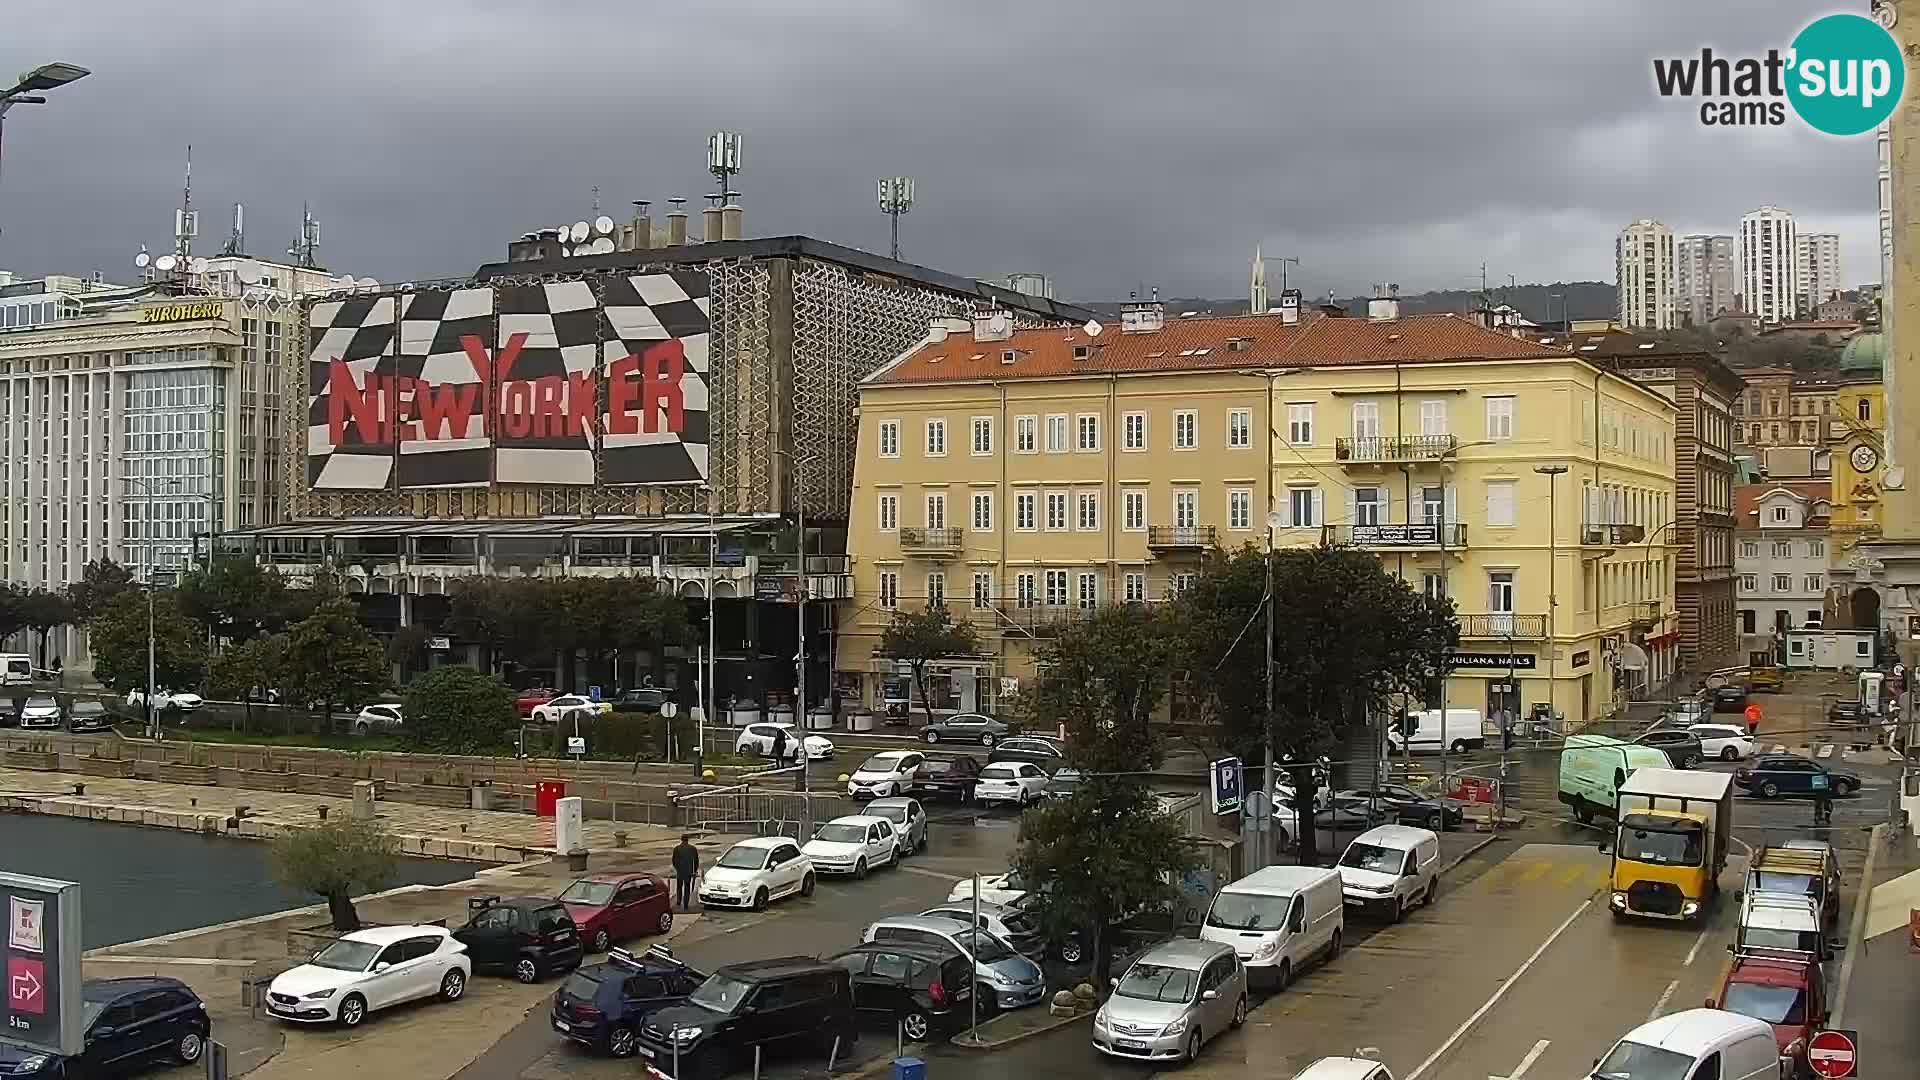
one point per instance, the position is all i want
(1857, 438)
(1816, 269)
(1781, 564)
(1703, 276)
(1767, 265)
(1782, 408)
(1643, 263)
(1025, 478)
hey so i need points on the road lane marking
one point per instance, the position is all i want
(1695, 951)
(1487, 1007)
(932, 874)
(1665, 996)
(1534, 872)
(1572, 874)
(1526, 1063)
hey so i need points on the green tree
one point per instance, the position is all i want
(331, 659)
(1350, 637)
(119, 639)
(13, 609)
(235, 598)
(101, 582)
(244, 668)
(1104, 680)
(917, 638)
(42, 610)
(407, 649)
(334, 861)
(458, 710)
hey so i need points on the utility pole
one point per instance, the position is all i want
(1273, 524)
(1552, 473)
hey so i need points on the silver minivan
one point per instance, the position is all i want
(1171, 1001)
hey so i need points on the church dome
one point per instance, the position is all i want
(1864, 352)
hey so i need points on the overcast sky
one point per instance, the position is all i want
(1108, 144)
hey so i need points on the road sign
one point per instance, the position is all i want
(669, 710)
(576, 744)
(42, 968)
(1223, 794)
(1834, 1054)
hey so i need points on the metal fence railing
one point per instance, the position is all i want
(758, 811)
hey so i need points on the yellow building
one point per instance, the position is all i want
(1856, 431)
(1023, 477)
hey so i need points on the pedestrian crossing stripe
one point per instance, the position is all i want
(1548, 874)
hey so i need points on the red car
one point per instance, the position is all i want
(1784, 989)
(615, 907)
(527, 700)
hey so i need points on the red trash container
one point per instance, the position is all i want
(547, 795)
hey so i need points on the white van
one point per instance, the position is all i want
(16, 669)
(1278, 919)
(1461, 731)
(1390, 868)
(1683, 1044)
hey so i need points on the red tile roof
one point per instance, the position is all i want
(1212, 344)
(1746, 497)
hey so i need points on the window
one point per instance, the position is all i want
(1499, 418)
(983, 435)
(1434, 585)
(1025, 432)
(1239, 508)
(1433, 417)
(1087, 505)
(889, 513)
(1133, 431)
(1088, 433)
(1186, 509)
(1303, 505)
(1865, 409)
(1433, 503)
(889, 589)
(1136, 584)
(1366, 419)
(1500, 502)
(1057, 433)
(1816, 583)
(1817, 549)
(937, 438)
(1862, 650)
(1056, 588)
(936, 589)
(1782, 549)
(1089, 590)
(1023, 590)
(1782, 582)
(1749, 549)
(1181, 582)
(983, 511)
(1500, 592)
(1133, 510)
(889, 438)
(1056, 510)
(1746, 621)
(1750, 583)
(1186, 429)
(1300, 423)
(1780, 513)
(936, 509)
(1239, 429)
(1023, 507)
(1367, 504)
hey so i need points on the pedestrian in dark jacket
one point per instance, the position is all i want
(779, 745)
(686, 864)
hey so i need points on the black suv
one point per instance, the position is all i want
(769, 1003)
(922, 988)
(129, 1023)
(1681, 746)
(603, 1005)
(529, 936)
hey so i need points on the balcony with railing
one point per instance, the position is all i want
(1614, 534)
(1646, 614)
(1502, 626)
(1393, 449)
(921, 540)
(1420, 536)
(1178, 538)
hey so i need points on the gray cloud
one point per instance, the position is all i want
(1108, 144)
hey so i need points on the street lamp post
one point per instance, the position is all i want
(26, 90)
(1552, 473)
(802, 777)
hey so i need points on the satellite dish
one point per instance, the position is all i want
(368, 283)
(566, 253)
(1093, 328)
(603, 225)
(579, 232)
(164, 262)
(248, 271)
(603, 246)
(142, 259)
(347, 282)
(199, 265)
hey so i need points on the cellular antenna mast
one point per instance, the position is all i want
(305, 250)
(896, 198)
(186, 224)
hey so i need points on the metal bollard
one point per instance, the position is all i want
(756, 1061)
(900, 1039)
(833, 1057)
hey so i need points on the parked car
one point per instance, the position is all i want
(1773, 775)
(909, 820)
(1045, 753)
(1764, 678)
(40, 711)
(1345, 1068)
(923, 988)
(951, 779)
(1013, 925)
(757, 870)
(772, 1002)
(1062, 784)
(86, 716)
(1787, 993)
(554, 710)
(1847, 712)
(965, 727)
(368, 970)
(181, 700)
(1015, 782)
(530, 937)
(129, 1022)
(527, 700)
(606, 908)
(1404, 805)
(378, 718)
(890, 772)
(1682, 747)
(1391, 868)
(853, 845)
(1727, 742)
(1731, 697)
(1008, 980)
(759, 739)
(601, 1006)
(1171, 1001)
(1004, 889)
(1344, 817)
(647, 699)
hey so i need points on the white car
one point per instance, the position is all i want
(557, 709)
(1003, 890)
(1728, 742)
(1016, 782)
(369, 970)
(853, 845)
(377, 718)
(886, 773)
(755, 871)
(758, 739)
(40, 711)
(183, 700)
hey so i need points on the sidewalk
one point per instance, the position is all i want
(1881, 970)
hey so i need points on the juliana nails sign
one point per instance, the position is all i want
(196, 309)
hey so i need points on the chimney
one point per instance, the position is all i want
(937, 331)
(1385, 304)
(677, 223)
(1142, 318)
(710, 220)
(642, 226)
(1290, 306)
(733, 218)
(992, 324)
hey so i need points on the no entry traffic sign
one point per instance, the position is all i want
(1833, 1054)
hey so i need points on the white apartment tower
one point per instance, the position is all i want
(1643, 265)
(1816, 268)
(1703, 273)
(1767, 251)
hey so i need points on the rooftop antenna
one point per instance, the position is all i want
(896, 198)
(186, 223)
(305, 249)
(596, 200)
(237, 240)
(723, 161)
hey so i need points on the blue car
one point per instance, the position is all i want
(601, 1006)
(129, 1023)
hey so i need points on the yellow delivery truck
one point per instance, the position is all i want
(1673, 828)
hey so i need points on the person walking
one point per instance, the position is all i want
(686, 864)
(1822, 802)
(779, 745)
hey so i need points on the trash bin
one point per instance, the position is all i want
(481, 795)
(909, 1068)
(546, 795)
